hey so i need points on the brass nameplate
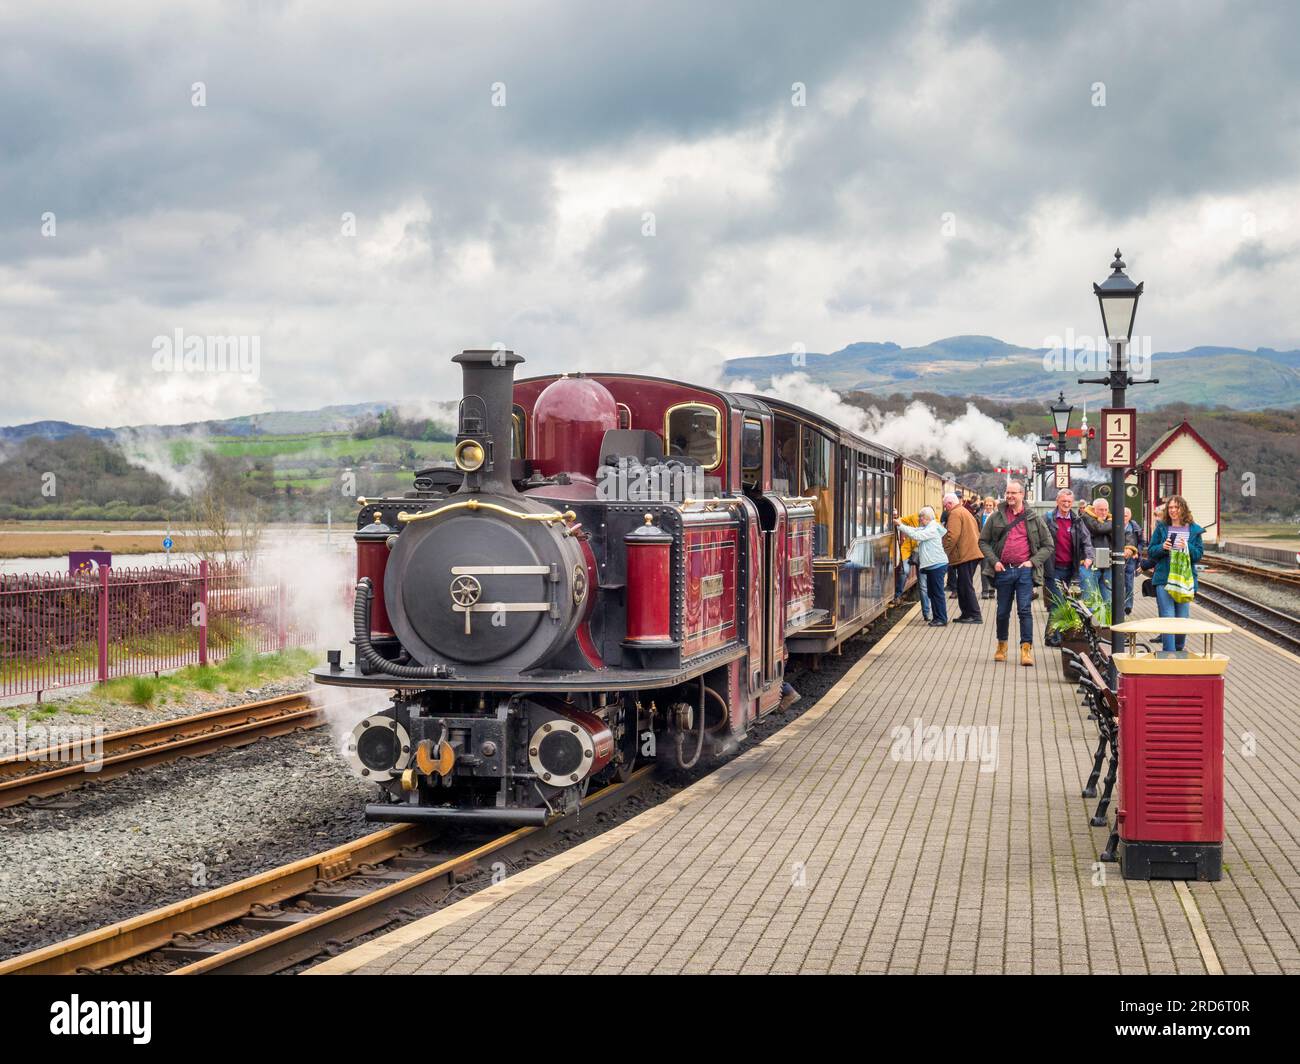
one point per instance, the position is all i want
(711, 586)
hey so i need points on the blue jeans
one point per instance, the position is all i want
(1169, 608)
(921, 590)
(900, 577)
(1052, 574)
(1130, 578)
(1017, 584)
(933, 577)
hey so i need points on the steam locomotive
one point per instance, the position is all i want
(617, 568)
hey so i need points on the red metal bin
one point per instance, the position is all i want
(1170, 814)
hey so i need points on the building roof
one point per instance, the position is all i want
(1184, 428)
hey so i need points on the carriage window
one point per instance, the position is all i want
(864, 479)
(517, 432)
(751, 454)
(818, 459)
(694, 430)
(785, 456)
(624, 416)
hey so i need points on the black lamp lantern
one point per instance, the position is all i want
(1118, 297)
(1041, 444)
(1061, 411)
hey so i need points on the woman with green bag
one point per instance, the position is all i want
(1175, 549)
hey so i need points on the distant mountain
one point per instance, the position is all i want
(274, 423)
(989, 367)
(51, 430)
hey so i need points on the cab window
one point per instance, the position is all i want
(517, 421)
(694, 430)
(751, 454)
(785, 456)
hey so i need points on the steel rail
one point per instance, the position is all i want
(303, 936)
(150, 744)
(1239, 567)
(1276, 625)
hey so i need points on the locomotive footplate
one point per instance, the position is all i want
(480, 679)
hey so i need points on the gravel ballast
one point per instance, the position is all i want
(113, 850)
(119, 716)
(1274, 593)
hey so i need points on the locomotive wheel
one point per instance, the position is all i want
(628, 745)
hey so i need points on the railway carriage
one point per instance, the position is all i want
(617, 568)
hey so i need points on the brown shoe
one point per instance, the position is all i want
(1001, 655)
(1026, 653)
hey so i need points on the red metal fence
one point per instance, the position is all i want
(63, 629)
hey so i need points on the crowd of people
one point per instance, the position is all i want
(1016, 550)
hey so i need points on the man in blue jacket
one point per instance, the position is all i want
(1073, 546)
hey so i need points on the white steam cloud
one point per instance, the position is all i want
(918, 431)
(152, 451)
(441, 412)
(318, 579)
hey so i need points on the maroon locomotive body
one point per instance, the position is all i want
(617, 569)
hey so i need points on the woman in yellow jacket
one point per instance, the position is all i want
(906, 545)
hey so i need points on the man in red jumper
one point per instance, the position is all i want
(1015, 543)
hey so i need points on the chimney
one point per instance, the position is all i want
(483, 432)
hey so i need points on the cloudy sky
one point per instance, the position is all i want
(367, 189)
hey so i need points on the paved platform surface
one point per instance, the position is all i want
(831, 848)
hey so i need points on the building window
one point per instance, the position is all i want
(694, 430)
(1166, 484)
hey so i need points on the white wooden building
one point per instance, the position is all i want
(1181, 463)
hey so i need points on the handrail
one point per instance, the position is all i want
(711, 504)
(475, 504)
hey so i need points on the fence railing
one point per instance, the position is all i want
(65, 629)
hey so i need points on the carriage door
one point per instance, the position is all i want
(769, 595)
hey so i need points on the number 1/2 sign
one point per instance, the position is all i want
(1118, 437)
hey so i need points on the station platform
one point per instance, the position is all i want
(835, 846)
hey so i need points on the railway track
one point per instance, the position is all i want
(1282, 628)
(53, 770)
(1238, 567)
(272, 921)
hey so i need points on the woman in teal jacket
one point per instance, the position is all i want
(1176, 532)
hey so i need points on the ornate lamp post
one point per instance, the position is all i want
(1040, 464)
(1061, 413)
(1118, 298)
